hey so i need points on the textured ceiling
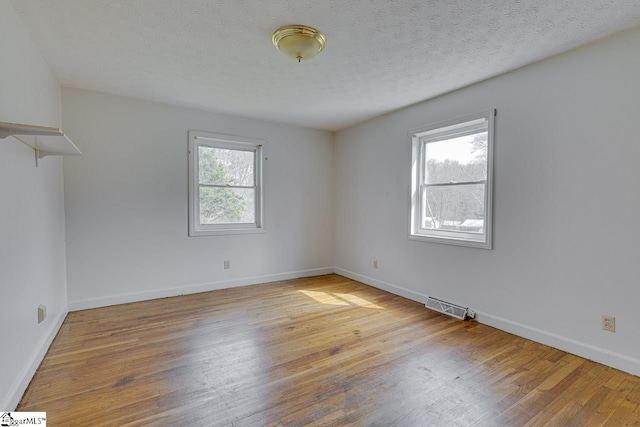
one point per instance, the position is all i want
(381, 55)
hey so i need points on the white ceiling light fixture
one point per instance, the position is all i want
(299, 41)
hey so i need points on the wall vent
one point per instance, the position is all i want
(449, 308)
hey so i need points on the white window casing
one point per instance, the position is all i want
(452, 182)
(225, 184)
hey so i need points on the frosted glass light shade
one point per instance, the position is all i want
(299, 42)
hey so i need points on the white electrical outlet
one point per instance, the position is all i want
(227, 265)
(375, 263)
(42, 313)
(608, 323)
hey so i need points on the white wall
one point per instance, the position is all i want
(126, 203)
(32, 255)
(567, 169)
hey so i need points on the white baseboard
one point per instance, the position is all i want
(193, 289)
(398, 290)
(18, 388)
(588, 351)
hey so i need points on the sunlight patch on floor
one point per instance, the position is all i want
(339, 299)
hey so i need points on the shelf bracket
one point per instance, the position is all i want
(46, 141)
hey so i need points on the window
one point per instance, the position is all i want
(452, 182)
(225, 184)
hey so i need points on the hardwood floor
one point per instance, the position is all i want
(316, 351)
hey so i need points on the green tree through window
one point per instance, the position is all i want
(217, 205)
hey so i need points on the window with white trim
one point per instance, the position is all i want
(225, 184)
(451, 190)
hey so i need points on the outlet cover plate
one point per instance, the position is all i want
(42, 313)
(608, 323)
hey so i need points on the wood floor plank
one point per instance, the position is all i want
(314, 351)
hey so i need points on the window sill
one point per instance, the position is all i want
(226, 232)
(451, 241)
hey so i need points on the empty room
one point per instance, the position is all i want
(250, 213)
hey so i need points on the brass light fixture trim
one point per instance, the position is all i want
(299, 41)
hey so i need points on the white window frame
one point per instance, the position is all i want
(438, 132)
(216, 140)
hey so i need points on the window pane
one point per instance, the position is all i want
(454, 208)
(460, 159)
(218, 166)
(227, 205)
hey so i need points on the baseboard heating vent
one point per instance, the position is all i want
(453, 310)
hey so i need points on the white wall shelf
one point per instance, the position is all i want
(46, 141)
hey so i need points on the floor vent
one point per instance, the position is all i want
(448, 308)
